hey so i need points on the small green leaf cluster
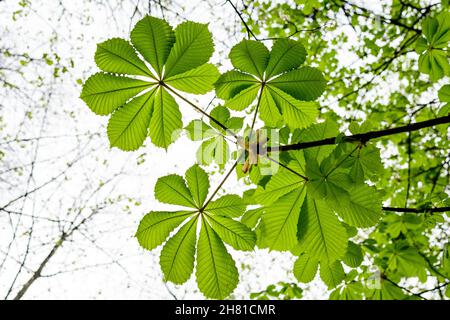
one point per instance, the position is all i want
(214, 147)
(157, 61)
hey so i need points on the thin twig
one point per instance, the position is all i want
(220, 124)
(405, 289)
(443, 285)
(249, 31)
(220, 184)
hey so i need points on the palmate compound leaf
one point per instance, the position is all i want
(363, 160)
(216, 273)
(435, 63)
(214, 148)
(407, 262)
(223, 115)
(321, 235)
(283, 92)
(358, 206)
(327, 184)
(402, 223)
(365, 164)
(179, 59)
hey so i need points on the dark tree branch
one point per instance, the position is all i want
(41, 267)
(64, 236)
(382, 67)
(416, 210)
(408, 185)
(363, 137)
(251, 34)
(367, 13)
